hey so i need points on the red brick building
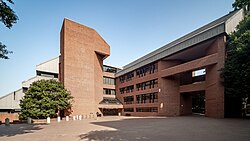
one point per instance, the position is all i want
(162, 83)
(81, 68)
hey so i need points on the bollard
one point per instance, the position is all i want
(74, 117)
(48, 120)
(58, 119)
(7, 122)
(77, 117)
(119, 114)
(29, 120)
(80, 117)
(67, 118)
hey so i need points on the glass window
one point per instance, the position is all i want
(109, 81)
(108, 91)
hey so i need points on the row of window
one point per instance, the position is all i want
(126, 77)
(109, 81)
(109, 91)
(127, 89)
(148, 69)
(128, 99)
(142, 98)
(147, 98)
(147, 85)
(140, 86)
(142, 109)
(109, 69)
(147, 109)
(128, 109)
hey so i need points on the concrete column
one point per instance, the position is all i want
(48, 120)
(58, 119)
(29, 120)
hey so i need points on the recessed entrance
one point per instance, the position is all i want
(193, 103)
(198, 102)
(110, 112)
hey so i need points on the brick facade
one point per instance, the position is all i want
(174, 98)
(82, 53)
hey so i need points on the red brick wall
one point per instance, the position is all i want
(82, 53)
(214, 89)
(170, 101)
(11, 116)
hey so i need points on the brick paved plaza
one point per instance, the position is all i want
(132, 129)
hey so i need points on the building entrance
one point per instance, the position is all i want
(193, 103)
(198, 102)
(110, 112)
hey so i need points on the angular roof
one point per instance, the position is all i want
(108, 100)
(51, 65)
(223, 25)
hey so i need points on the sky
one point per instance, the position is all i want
(132, 28)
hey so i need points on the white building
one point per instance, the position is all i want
(46, 70)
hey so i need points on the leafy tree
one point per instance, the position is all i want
(4, 51)
(238, 4)
(8, 18)
(236, 72)
(44, 99)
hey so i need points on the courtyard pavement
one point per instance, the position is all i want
(185, 128)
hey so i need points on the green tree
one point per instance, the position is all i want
(8, 18)
(44, 99)
(4, 51)
(236, 72)
(238, 4)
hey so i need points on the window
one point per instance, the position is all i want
(108, 91)
(148, 69)
(14, 95)
(128, 109)
(126, 77)
(109, 81)
(147, 109)
(147, 85)
(128, 99)
(109, 69)
(47, 74)
(127, 89)
(147, 98)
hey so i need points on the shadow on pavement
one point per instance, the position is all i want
(107, 135)
(187, 128)
(16, 129)
(125, 130)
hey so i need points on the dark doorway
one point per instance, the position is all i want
(198, 102)
(110, 112)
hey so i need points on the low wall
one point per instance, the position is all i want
(11, 116)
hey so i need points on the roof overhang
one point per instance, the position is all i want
(223, 25)
(110, 106)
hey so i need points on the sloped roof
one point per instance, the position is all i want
(51, 65)
(108, 100)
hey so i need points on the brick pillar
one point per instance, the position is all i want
(169, 96)
(214, 88)
(186, 104)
